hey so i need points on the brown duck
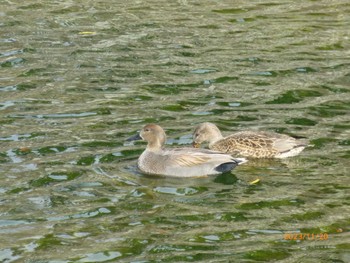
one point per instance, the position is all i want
(248, 143)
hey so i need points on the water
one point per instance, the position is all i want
(79, 77)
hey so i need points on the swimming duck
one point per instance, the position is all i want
(248, 143)
(179, 162)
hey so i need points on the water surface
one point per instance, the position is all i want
(79, 77)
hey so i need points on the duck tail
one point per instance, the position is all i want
(225, 167)
(240, 160)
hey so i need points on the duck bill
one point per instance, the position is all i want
(136, 137)
(196, 145)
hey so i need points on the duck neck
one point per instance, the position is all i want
(215, 136)
(154, 146)
(157, 145)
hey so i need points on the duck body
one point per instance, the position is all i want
(249, 143)
(180, 162)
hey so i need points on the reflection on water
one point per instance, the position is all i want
(78, 78)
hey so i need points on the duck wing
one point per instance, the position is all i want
(189, 157)
(244, 143)
(261, 144)
(189, 163)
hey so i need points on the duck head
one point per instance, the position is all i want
(206, 132)
(151, 133)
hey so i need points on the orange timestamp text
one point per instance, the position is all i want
(305, 236)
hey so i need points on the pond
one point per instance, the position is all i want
(80, 77)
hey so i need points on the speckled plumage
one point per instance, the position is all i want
(180, 162)
(248, 143)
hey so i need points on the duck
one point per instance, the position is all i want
(253, 144)
(179, 162)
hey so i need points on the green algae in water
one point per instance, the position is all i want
(187, 54)
(233, 217)
(242, 20)
(301, 121)
(224, 79)
(178, 191)
(100, 125)
(304, 217)
(346, 155)
(233, 104)
(19, 190)
(267, 255)
(165, 248)
(144, 192)
(125, 154)
(95, 144)
(174, 107)
(137, 206)
(344, 142)
(48, 241)
(87, 160)
(265, 73)
(209, 26)
(305, 70)
(321, 142)
(51, 149)
(335, 46)
(108, 158)
(6, 121)
(343, 246)
(294, 96)
(226, 179)
(330, 109)
(32, 6)
(230, 11)
(11, 63)
(223, 236)
(26, 86)
(245, 118)
(101, 111)
(101, 200)
(33, 72)
(170, 89)
(192, 102)
(270, 204)
(58, 200)
(56, 177)
(129, 247)
(220, 111)
(4, 158)
(105, 256)
(195, 218)
(335, 228)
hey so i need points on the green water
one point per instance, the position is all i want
(79, 77)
